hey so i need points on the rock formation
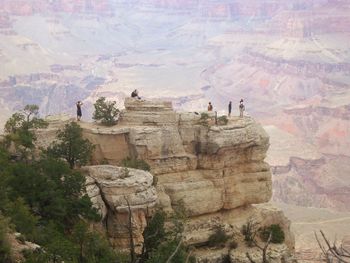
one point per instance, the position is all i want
(217, 172)
(112, 189)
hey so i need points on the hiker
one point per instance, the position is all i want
(135, 94)
(229, 108)
(79, 113)
(241, 108)
(210, 107)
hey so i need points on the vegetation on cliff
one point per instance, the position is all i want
(277, 234)
(44, 198)
(164, 244)
(20, 128)
(106, 112)
(71, 146)
(5, 249)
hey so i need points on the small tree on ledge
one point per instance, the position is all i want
(106, 112)
(71, 146)
(20, 129)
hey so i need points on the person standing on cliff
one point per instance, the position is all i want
(210, 107)
(229, 108)
(241, 108)
(79, 113)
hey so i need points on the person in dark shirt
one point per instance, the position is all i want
(79, 113)
(135, 94)
(229, 108)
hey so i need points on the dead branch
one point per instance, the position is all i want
(262, 248)
(188, 256)
(324, 252)
(130, 228)
(174, 253)
(332, 250)
(249, 257)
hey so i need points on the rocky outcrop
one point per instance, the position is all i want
(113, 191)
(19, 246)
(277, 253)
(217, 173)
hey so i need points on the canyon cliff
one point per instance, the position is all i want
(216, 172)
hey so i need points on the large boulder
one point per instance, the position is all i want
(115, 191)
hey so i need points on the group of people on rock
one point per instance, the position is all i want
(135, 94)
(241, 108)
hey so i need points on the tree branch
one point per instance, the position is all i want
(132, 244)
(333, 250)
(249, 257)
(174, 253)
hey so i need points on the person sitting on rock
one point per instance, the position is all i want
(135, 94)
(210, 107)
(241, 108)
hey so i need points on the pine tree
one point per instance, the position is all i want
(72, 146)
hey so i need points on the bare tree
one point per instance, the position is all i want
(262, 248)
(332, 252)
(130, 228)
(134, 258)
(250, 230)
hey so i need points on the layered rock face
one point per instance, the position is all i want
(113, 190)
(217, 173)
(207, 168)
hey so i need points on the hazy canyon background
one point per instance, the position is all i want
(289, 60)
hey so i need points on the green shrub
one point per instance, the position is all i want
(71, 146)
(106, 112)
(19, 130)
(249, 231)
(218, 238)
(5, 249)
(276, 231)
(23, 219)
(154, 233)
(136, 164)
(222, 120)
(37, 256)
(163, 235)
(166, 249)
(204, 119)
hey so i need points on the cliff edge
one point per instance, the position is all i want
(217, 172)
